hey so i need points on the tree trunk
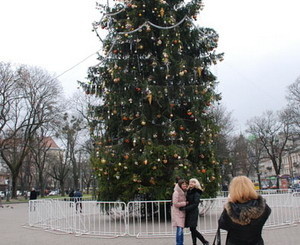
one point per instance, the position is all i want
(62, 187)
(88, 187)
(259, 180)
(14, 178)
(42, 184)
(277, 182)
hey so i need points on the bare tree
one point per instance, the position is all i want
(7, 93)
(224, 121)
(29, 99)
(255, 155)
(40, 147)
(239, 156)
(26, 176)
(59, 169)
(69, 134)
(87, 170)
(273, 131)
(293, 97)
(81, 107)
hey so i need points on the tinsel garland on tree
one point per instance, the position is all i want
(157, 89)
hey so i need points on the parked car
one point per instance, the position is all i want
(53, 193)
(296, 188)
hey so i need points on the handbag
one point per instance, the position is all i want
(217, 240)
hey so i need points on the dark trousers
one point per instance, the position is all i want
(80, 206)
(196, 234)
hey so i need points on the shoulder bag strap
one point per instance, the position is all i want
(217, 240)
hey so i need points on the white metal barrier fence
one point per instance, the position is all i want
(80, 217)
(143, 218)
(263, 192)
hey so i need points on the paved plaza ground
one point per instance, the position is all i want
(13, 231)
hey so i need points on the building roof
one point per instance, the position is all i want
(48, 141)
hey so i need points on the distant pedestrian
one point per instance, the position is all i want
(178, 216)
(71, 196)
(33, 194)
(192, 211)
(244, 214)
(78, 199)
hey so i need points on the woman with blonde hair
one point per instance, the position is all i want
(178, 216)
(244, 214)
(191, 216)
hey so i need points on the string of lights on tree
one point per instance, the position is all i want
(157, 90)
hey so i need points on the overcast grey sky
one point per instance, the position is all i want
(260, 39)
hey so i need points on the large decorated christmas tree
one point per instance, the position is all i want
(156, 88)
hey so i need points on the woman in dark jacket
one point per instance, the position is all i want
(244, 214)
(191, 210)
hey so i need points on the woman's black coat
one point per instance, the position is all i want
(244, 221)
(191, 210)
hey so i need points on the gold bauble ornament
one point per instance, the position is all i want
(117, 80)
(152, 181)
(181, 73)
(149, 97)
(199, 70)
(103, 161)
(204, 91)
(162, 12)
